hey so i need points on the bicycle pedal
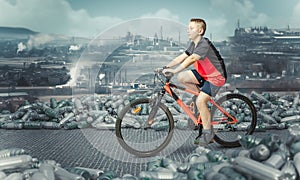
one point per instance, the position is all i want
(195, 128)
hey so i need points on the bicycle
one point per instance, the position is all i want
(145, 126)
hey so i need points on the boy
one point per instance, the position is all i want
(209, 73)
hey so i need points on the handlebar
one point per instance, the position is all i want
(159, 74)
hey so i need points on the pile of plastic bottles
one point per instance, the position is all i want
(17, 164)
(259, 158)
(87, 111)
(274, 112)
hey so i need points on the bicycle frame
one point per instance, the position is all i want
(168, 88)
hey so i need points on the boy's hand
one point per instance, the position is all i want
(168, 72)
(158, 70)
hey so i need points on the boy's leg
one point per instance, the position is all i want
(188, 79)
(202, 100)
(201, 103)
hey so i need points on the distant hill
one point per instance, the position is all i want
(15, 32)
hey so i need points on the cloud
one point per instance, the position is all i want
(52, 16)
(162, 13)
(243, 10)
(226, 15)
(57, 16)
(295, 21)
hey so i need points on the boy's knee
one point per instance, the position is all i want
(181, 78)
(203, 98)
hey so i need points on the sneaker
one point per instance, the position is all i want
(206, 138)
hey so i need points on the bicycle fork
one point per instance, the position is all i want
(154, 109)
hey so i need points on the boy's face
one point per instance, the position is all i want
(194, 30)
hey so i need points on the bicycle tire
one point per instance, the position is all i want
(247, 119)
(121, 131)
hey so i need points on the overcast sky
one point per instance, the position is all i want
(90, 17)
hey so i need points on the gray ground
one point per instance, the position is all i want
(98, 149)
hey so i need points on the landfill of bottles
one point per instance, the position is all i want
(259, 158)
(274, 112)
(87, 111)
(269, 157)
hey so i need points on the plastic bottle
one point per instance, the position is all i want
(231, 174)
(296, 101)
(202, 150)
(259, 97)
(38, 176)
(50, 125)
(47, 170)
(196, 158)
(154, 164)
(295, 118)
(78, 105)
(26, 116)
(11, 152)
(216, 156)
(161, 125)
(93, 172)
(194, 174)
(14, 176)
(51, 112)
(256, 169)
(183, 167)
(32, 125)
(61, 104)
(107, 175)
(85, 174)
(297, 162)
(71, 125)
(69, 117)
(276, 160)
(162, 175)
(2, 175)
(260, 128)
(260, 152)
(64, 174)
(267, 118)
(212, 175)
(290, 112)
(169, 164)
(15, 162)
(233, 153)
(272, 141)
(289, 170)
(12, 125)
(249, 141)
(53, 103)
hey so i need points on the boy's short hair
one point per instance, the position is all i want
(201, 22)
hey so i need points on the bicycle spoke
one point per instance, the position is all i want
(242, 111)
(140, 137)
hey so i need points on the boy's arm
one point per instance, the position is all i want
(187, 62)
(177, 60)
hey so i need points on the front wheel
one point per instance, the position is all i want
(134, 133)
(243, 110)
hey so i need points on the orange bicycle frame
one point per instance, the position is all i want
(187, 110)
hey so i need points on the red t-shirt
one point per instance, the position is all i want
(210, 65)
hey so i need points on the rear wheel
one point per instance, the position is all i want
(243, 110)
(135, 136)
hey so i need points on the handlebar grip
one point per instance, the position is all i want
(169, 75)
